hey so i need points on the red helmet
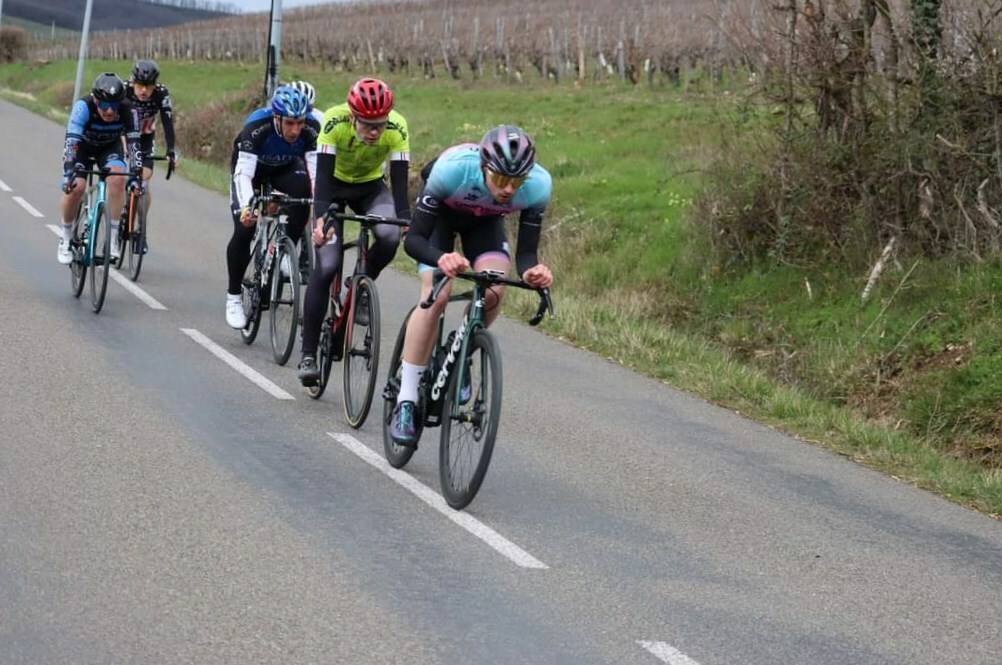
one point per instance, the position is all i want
(370, 99)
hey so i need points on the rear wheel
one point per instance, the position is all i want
(101, 258)
(78, 246)
(284, 301)
(361, 351)
(396, 455)
(469, 428)
(251, 294)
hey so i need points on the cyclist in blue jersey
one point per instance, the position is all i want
(468, 190)
(279, 148)
(94, 134)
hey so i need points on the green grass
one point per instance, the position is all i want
(908, 383)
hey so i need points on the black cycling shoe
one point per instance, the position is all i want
(309, 372)
(403, 431)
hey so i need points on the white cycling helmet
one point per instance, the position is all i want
(306, 89)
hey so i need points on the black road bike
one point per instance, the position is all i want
(460, 390)
(133, 227)
(350, 331)
(272, 280)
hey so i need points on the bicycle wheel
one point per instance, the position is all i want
(284, 307)
(361, 351)
(100, 235)
(469, 429)
(251, 294)
(78, 246)
(324, 360)
(396, 456)
(136, 238)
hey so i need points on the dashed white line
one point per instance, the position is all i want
(27, 206)
(495, 540)
(126, 284)
(667, 653)
(4, 186)
(257, 379)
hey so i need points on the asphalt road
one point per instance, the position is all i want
(158, 506)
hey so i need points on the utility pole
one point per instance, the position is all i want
(84, 36)
(274, 49)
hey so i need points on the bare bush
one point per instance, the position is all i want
(13, 44)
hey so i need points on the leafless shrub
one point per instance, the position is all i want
(13, 44)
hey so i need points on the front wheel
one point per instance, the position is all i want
(284, 307)
(361, 351)
(78, 246)
(251, 293)
(397, 456)
(470, 421)
(100, 254)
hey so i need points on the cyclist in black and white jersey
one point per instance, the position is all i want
(151, 100)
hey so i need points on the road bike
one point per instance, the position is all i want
(459, 391)
(272, 280)
(133, 227)
(90, 241)
(350, 330)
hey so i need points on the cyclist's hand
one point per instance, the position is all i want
(248, 216)
(319, 239)
(136, 184)
(69, 181)
(453, 263)
(173, 158)
(538, 276)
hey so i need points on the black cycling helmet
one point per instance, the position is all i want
(145, 71)
(507, 150)
(109, 88)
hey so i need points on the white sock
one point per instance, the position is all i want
(233, 296)
(410, 377)
(67, 231)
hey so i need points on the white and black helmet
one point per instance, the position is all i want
(308, 90)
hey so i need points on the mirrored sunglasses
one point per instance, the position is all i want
(108, 106)
(502, 181)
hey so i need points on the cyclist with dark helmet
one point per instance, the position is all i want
(280, 149)
(151, 99)
(358, 138)
(468, 191)
(94, 132)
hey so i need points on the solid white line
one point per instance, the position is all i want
(231, 360)
(495, 540)
(667, 653)
(27, 206)
(126, 284)
(4, 186)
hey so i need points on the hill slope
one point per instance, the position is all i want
(106, 14)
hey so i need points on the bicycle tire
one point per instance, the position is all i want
(78, 246)
(136, 238)
(283, 310)
(324, 361)
(101, 263)
(469, 430)
(251, 293)
(397, 456)
(361, 353)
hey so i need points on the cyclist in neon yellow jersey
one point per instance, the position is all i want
(358, 137)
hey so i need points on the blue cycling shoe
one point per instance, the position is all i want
(403, 430)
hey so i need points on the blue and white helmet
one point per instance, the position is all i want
(288, 102)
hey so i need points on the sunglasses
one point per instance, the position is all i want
(502, 181)
(108, 106)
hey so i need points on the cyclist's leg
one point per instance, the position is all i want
(237, 259)
(318, 291)
(147, 147)
(386, 237)
(486, 246)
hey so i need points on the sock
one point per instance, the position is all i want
(233, 296)
(410, 377)
(67, 231)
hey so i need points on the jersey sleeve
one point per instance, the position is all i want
(79, 116)
(167, 117)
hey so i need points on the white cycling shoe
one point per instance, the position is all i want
(235, 315)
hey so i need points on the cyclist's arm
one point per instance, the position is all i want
(75, 128)
(243, 177)
(312, 132)
(323, 190)
(530, 224)
(418, 243)
(167, 117)
(398, 183)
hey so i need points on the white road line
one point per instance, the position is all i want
(4, 186)
(27, 206)
(126, 284)
(231, 360)
(495, 540)
(667, 653)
